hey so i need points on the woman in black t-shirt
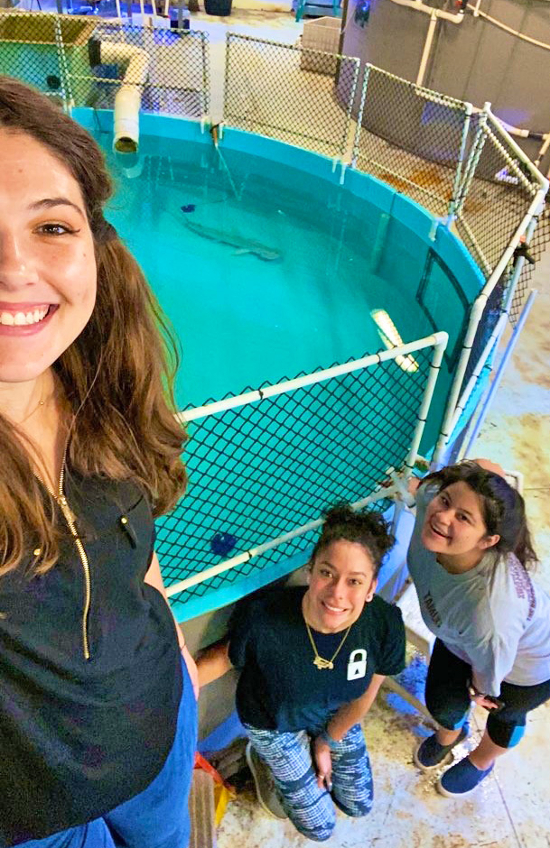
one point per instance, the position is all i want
(312, 663)
(97, 712)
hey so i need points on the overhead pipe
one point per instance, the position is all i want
(427, 48)
(417, 5)
(135, 62)
(435, 15)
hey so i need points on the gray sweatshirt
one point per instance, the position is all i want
(493, 617)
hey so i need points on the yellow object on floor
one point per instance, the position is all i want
(222, 795)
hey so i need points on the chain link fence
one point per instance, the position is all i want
(290, 93)
(501, 194)
(412, 138)
(263, 464)
(84, 61)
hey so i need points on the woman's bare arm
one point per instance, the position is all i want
(213, 662)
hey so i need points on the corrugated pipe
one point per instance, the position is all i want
(135, 64)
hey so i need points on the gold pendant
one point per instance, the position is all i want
(321, 662)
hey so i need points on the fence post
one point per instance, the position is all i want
(68, 99)
(359, 124)
(473, 159)
(458, 173)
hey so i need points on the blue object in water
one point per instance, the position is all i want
(190, 207)
(222, 543)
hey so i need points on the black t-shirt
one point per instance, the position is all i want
(280, 688)
(77, 736)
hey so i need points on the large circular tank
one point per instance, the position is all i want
(472, 58)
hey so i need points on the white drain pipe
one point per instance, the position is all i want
(135, 61)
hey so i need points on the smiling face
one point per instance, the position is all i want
(341, 582)
(48, 273)
(454, 525)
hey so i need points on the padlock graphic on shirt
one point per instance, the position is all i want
(357, 664)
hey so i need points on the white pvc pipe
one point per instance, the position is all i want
(208, 573)
(427, 48)
(128, 97)
(504, 27)
(466, 394)
(309, 379)
(455, 18)
(543, 149)
(500, 372)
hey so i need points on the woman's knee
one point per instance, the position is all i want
(505, 734)
(318, 833)
(314, 817)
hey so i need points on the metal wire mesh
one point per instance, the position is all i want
(411, 138)
(496, 200)
(539, 240)
(289, 93)
(41, 49)
(75, 59)
(263, 469)
(497, 194)
(177, 75)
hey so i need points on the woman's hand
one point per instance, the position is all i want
(323, 763)
(482, 701)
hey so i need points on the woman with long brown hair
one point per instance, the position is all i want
(468, 558)
(97, 710)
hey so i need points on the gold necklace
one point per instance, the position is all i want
(40, 403)
(319, 661)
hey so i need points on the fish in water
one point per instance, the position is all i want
(242, 245)
(190, 207)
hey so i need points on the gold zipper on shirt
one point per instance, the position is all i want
(69, 518)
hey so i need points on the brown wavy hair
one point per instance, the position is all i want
(502, 507)
(117, 376)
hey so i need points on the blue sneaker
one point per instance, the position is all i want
(461, 779)
(430, 754)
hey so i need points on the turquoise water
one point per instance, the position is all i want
(269, 273)
(243, 320)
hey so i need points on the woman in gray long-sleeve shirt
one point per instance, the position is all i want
(468, 558)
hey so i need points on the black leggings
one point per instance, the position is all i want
(448, 700)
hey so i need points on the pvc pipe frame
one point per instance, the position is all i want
(524, 227)
(186, 416)
(465, 396)
(438, 341)
(499, 374)
(208, 573)
(518, 267)
(475, 317)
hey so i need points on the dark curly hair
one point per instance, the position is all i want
(502, 507)
(368, 529)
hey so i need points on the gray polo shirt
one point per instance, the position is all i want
(493, 617)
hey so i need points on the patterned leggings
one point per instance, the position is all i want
(310, 808)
